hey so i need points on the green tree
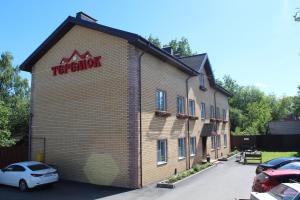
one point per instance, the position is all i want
(296, 103)
(181, 47)
(5, 135)
(15, 94)
(154, 41)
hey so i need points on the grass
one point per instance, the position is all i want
(184, 174)
(267, 155)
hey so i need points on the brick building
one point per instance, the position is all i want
(110, 108)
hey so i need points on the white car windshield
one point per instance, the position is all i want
(283, 192)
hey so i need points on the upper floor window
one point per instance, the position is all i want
(181, 148)
(191, 107)
(224, 115)
(202, 80)
(217, 113)
(161, 151)
(180, 105)
(212, 111)
(161, 100)
(203, 111)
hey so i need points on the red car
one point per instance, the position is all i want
(266, 180)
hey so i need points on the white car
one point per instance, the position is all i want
(284, 191)
(28, 175)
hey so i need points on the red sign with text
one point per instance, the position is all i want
(76, 62)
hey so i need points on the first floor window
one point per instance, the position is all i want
(193, 146)
(161, 151)
(225, 140)
(181, 148)
(212, 139)
(203, 112)
(191, 107)
(161, 100)
(180, 105)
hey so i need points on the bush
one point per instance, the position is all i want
(184, 174)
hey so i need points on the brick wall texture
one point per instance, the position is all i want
(91, 119)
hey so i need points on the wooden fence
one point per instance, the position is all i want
(13, 154)
(267, 142)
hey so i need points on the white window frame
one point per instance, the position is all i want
(162, 144)
(218, 141)
(203, 111)
(180, 100)
(161, 100)
(192, 107)
(193, 149)
(202, 80)
(225, 140)
(181, 148)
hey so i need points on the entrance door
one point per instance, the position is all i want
(204, 147)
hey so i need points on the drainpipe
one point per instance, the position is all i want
(140, 102)
(188, 122)
(215, 129)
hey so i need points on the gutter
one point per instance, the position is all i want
(188, 121)
(140, 102)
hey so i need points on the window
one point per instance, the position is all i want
(14, 168)
(225, 140)
(213, 142)
(212, 112)
(224, 115)
(203, 112)
(202, 80)
(38, 167)
(218, 141)
(191, 107)
(217, 113)
(161, 151)
(161, 101)
(193, 146)
(181, 148)
(180, 105)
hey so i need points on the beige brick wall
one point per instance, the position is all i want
(84, 115)
(157, 74)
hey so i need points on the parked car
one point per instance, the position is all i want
(285, 191)
(28, 175)
(266, 180)
(275, 163)
(292, 165)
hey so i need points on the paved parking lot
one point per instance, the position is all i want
(226, 181)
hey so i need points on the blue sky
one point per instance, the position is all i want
(256, 42)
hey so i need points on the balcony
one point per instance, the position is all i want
(160, 113)
(182, 116)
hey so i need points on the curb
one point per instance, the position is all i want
(163, 184)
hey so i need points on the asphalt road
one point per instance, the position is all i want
(226, 181)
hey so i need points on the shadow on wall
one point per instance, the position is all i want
(156, 126)
(177, 128)
(199, 152)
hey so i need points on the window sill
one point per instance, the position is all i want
(203, 88)
(161, 163)
(181, 158)
(192, 117)
(182, 116)
(192, 155)
(162, 113)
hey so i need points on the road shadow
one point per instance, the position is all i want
(64, 190)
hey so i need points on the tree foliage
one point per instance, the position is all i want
(180, 47)
(14, 101)
(251, 109)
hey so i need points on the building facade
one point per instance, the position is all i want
(110, 108)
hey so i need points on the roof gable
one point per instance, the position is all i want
(132, 38)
